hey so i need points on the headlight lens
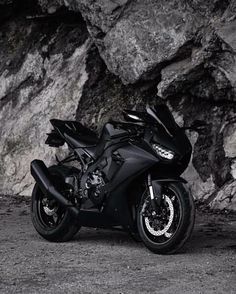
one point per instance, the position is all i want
(165, 153)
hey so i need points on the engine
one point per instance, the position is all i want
(94, 186)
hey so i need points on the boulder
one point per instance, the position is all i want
(42, 74)
(125, 51)
(137, 39)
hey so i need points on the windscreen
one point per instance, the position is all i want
(163, 116)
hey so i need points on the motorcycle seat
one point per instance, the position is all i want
(77, 134)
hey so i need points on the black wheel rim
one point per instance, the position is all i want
(49, 212)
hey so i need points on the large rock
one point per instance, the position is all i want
(50, 6)
(6, 9)
(209, 72)
(137, 39)
(225, 198)
(105, 97)
(212, 167)
(185, 50)
(130, 33)
(42, 73)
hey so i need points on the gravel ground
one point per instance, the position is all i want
(102, 261)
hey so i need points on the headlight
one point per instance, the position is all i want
(163, 152)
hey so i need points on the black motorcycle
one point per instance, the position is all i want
(128, 178)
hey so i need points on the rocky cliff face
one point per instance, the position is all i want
(117, 54)
(42, 74)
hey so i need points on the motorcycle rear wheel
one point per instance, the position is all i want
(166, 231)
(53, 222)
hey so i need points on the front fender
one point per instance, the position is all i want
(170, 179)
(157, 186)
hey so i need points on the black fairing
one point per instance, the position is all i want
(168, 134)
(123, 154)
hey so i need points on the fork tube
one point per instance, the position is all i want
(151, 193)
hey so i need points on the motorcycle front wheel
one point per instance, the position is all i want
(166, 230)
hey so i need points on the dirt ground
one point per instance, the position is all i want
(102, 261)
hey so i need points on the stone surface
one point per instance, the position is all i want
(130, 33)
(225, 198)
(129, 44)
(40, 78)
(230, 141)
(209, 72)
(212, 164)
(104, 96)
(6, 9)
(50, 6)
(184, 50)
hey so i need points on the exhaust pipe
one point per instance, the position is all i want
(42, 177)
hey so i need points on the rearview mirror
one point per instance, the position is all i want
(197, 125)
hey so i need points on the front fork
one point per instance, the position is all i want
(155, 193)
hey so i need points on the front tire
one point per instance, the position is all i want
(165, 231)
(53, 222)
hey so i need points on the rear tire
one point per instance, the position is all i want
(166, 235)
(64, 228)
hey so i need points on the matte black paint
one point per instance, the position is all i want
(125, 156)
